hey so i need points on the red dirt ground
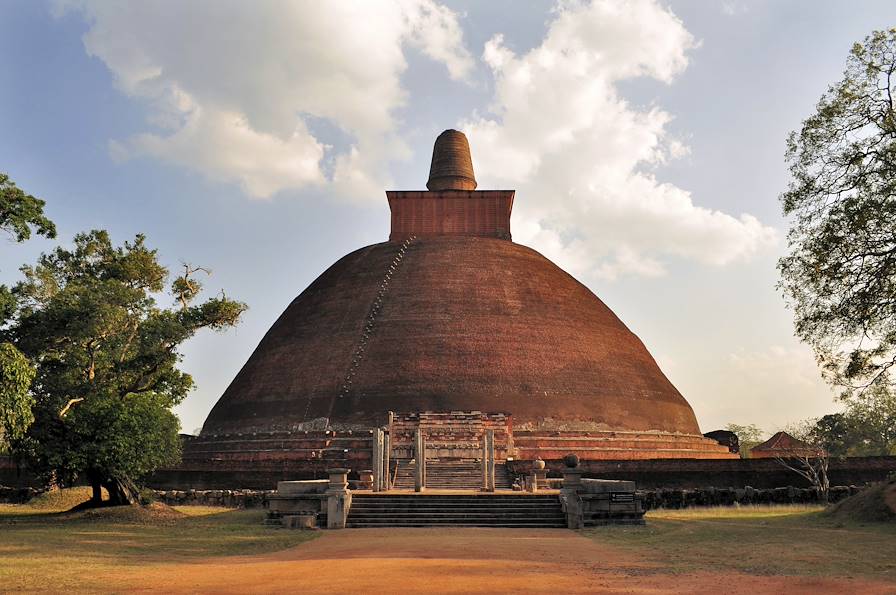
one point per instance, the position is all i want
(459, 561)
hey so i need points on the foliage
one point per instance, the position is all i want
(836, 434)
(872, 416)
(16, 375)
(866, 427)
(19, 212)
(814, 462)
(107, 359)
(748, 436)
(840, 273)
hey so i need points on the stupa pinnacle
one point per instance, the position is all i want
(452, 166)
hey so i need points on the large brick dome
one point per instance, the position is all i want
(443, 322)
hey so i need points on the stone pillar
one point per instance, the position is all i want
(420, 456)
(484, 462)
(377, 460)
(387, 455)
(339, 498)
(539, 478)
(569, 493)
(539, 475)
(490, 440)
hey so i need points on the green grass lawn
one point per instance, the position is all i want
(765, 540)
(41, 546)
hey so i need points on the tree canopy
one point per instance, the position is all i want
(16, 401)
(748, 437)
(106, 357)
(840, 273)
(866, 427)
(20, 212)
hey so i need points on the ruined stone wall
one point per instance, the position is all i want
(258, 461)
(680, 498)
(736, 473)
(648, 475)
(224, 498)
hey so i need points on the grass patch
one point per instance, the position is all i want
(40, 546)
(50, 502)
(763, 540)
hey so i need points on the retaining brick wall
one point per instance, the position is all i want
(735, 473)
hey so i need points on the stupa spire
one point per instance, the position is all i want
(452, 166)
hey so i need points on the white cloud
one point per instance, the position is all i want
(561, 134)
(230, 82)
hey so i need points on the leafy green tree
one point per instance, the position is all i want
(106, 354)
(16, 402)
(19, 212)
(840, 273)
(872, 415)
(866, 427)
(837, 434)
(748, 436)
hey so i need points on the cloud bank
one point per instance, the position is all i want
(559, 131)
(230, 83)
(234, 88)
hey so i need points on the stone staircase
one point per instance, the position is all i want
(450, 475)
(461, 510)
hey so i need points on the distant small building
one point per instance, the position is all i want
(783, 445)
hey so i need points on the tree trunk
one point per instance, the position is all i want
(96, 485)
(121, 491)
(97, 497)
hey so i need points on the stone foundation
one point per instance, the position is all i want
(676, 498)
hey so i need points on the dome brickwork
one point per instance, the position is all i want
(466, 323)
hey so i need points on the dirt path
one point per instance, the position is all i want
(457, 561)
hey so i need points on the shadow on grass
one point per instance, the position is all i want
(64, 536)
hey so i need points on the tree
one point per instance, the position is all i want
(107, 359)
(748, 437)
(19, 212)
(866, 427)
(840, 273)
(16, 402)
(872, 415)
(837, 434)
(811, 461)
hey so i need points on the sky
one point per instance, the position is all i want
(645, 141)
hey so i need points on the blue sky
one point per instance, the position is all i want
(645, 141)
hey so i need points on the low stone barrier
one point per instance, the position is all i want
(224, 498)
(681, 498)
(14, 495)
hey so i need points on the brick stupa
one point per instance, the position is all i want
(450, 315)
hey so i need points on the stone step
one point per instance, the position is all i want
(467, 510)
(436, 517)
(421, 524)
(449, 475)
(454, 512)
(425, 523)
